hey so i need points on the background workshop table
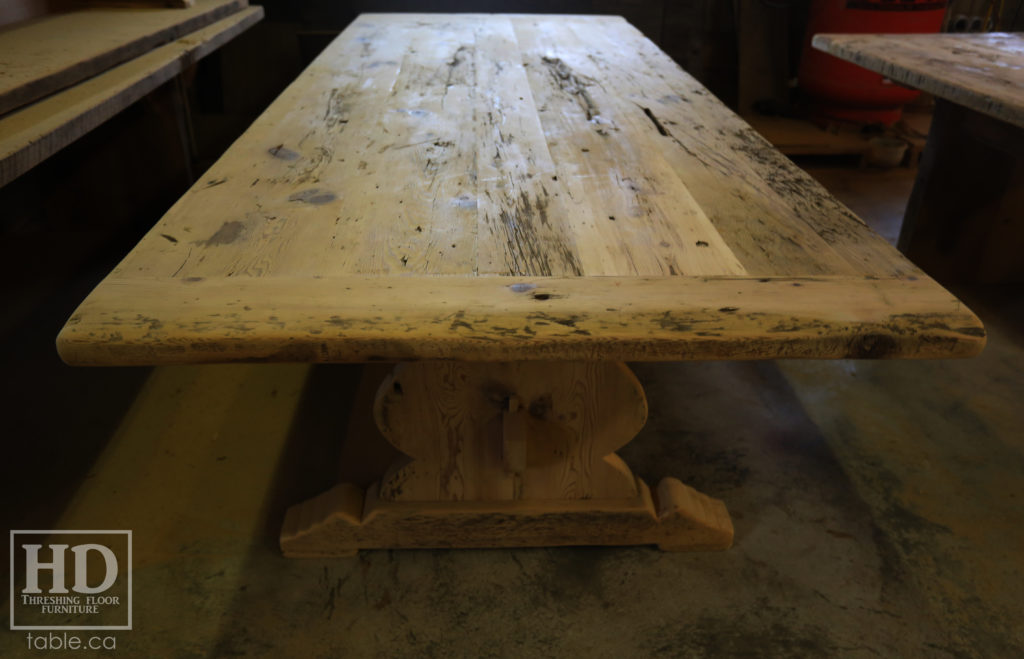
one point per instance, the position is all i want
(509, 207)
(965, 218)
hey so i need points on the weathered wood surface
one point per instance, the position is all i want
(367, 318)
(984, 72)
(345, 519)
(32, 134)
(510, 430)
(505, 454)
(585, 198)
(49, 53)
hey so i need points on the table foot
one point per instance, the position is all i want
(347, 518)
(507, 455)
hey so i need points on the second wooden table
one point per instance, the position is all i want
(965, 218)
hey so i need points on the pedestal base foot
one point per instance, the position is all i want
(347, 518)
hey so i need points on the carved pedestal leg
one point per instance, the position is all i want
(507, 455)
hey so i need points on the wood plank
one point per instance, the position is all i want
(520, 192)
(345, 519)
(34, 133)
(366, 318)
(338, 175)
(634, 206)
(984, 72)
(50, 53)
(410, 132)
(418, 192)
(708, 197)
(775, 217)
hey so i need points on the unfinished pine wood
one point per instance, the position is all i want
(509, 207)
(775, 218)
(984, 72)
(367, 318)
(583, 198)
(349, 318)
(30, 135)
(506, 454)
(454, 420)
(52, 52)
(346, 519)
(621, 209)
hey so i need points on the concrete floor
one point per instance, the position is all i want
(878, 505)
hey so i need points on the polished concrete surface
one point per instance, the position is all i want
(878, 506)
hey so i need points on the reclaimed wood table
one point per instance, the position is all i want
(965, 218)
(508, 208)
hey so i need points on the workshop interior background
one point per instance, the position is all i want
(68, 221)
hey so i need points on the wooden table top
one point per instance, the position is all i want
(984, 72)
(501, 187)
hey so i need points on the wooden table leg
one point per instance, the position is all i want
(515, 454)
(964, 222)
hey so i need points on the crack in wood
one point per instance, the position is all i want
(336, 114)
(573, 84)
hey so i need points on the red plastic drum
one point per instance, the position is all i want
(846, 91)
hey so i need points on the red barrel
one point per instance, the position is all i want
(846, 91)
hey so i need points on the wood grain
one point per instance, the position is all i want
(773, 215)
(453, 420)
(387, 181)
(504, 455)
(481, 187)
(345, 519)
(367, 318)
(52, 52)
(984, 72)
(31, 134)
